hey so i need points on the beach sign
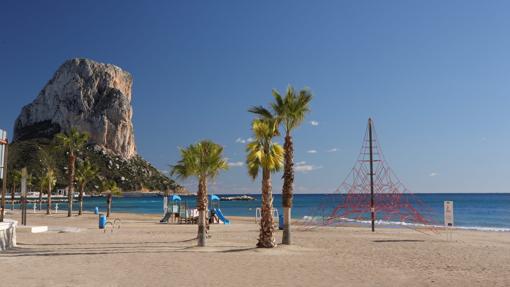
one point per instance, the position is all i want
(448, 213)
(3, 142)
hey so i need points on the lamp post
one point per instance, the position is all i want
(4, 146)
(24, 175)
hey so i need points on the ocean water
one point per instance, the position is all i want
(474, 211)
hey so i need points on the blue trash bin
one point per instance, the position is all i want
(280, 221)
(96, 211)
(102, 221)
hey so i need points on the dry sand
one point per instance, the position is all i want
(145, 253)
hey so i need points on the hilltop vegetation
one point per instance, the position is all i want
(134, 174)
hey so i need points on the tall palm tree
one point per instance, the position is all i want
(72, 142)
(111, 189)
(16, 178)
(290, 111)
(50, 179)
(84, 173)
(204, 160)
(267, 155)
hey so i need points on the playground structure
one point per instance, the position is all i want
(112, 225)
(372, 193)
(178, 211)
(215, 214)
(278, 218)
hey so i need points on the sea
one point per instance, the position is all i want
(481, 211)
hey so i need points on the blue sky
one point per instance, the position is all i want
(434, 75)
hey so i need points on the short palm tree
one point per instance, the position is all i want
(42, 185)
(203, 160)
(110, 188)
(16, 178)
(72, 142)
(49, 179)
(48, 163)
(84, 173)
(30, 182)
(267, 155)
(290, 111)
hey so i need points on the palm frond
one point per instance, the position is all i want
(292, 109)
(261, 112)
(203, 159)
(263, 153)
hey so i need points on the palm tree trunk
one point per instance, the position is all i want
(82, 187)
(108, 204)
(266, 238)
(13, 190)
(48, 208)
(288, 184)
(40, 199)
(70, 189)
(202, 207)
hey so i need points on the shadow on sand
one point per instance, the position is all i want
(397, 240)
(96, 248)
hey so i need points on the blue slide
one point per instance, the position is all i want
(217, 211)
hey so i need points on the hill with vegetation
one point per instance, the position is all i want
(134, 174)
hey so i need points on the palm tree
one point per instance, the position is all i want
(48, 164)
(110, 188)
(85, 172)
(42, 185)
(16, 177)
(30, 184)
(267, 155)
(50, 179)
(203, 160)
(72, 142)
(290, 111)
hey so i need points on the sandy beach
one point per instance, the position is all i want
(144, 252)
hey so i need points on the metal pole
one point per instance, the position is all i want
(372, 207)
(4, 180)
(23, 202)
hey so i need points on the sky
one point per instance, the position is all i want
(434, 76)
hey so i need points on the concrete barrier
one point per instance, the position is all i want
(31, 229)
(8, 234)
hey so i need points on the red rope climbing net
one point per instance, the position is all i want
(394, 203)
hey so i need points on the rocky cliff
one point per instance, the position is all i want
(94, 98)
(91, 96)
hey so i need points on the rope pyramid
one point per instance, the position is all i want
(394, 203)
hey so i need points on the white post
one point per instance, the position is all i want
(56, 207)
(23, 197)
(165, 205)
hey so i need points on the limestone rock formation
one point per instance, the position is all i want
(91, 96)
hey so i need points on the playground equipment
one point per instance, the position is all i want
(215, 210)
(176, 210)
(115, 224)
(220, 215)
(372, 192)
(258, 215)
